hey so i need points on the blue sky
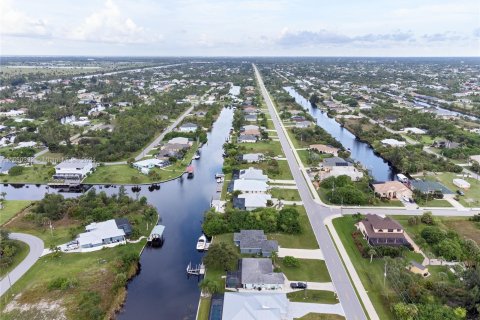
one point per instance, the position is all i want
(240, 27)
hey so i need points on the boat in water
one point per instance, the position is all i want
(156, 236)
(189, 171)
(196, 156)
(202, 243)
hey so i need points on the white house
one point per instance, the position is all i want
(252, 157)
(73, 169)
(414, 130)
(252, 174)
(179, 140)
(461, 183)
(250, 186)
(393, 143)
(145, 165)
(252, 201)
(188, 127)
(101, 233)
(249, 305)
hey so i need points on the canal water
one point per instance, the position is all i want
(379, 169)
(162, 290)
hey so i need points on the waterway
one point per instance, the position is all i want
(162, 290)
(362, 152)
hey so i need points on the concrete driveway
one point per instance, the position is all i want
(36, 250)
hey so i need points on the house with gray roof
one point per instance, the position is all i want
(252, 157)
(247, 138)
(429, 187)
(254, 242)
(251, 201)
(257, 273)
(336, 162)
(252, 174)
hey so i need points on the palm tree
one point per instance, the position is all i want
(209, 286)
(371, 252)
(274, 256)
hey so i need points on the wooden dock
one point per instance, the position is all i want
(197, 270)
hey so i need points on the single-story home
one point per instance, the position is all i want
(180, 140)
(101, 233)
(188, 127)
(336, 171)
(251, 201)
(393, 143)
(252, 174)
(257, 273)
(392, 190)
(73, 169)
(124, 224)
(247, 138)
(380, 231)
(253, 157)
(250, 186)
(254, 242)
(246, 305)
(429, 187)
(303, 124)
(335, 162)
(322, 148)
(145, 165)
(250, 117)
(414, 130)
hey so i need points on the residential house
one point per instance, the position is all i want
(250, 130)
(297, 118)
(254, 242)
(124, 224)
(335, 166)
(252, 174)
(251, 201)
(256, 274)
(247, 138)
(303, 124)
(188, 127)
(322, 148)
(253, 157)
(429, 187)
(393, 143)
(181, 141)
(74, 169)
(255, 306)
(461, 183)
(447, 144)
(250, 110)
(250, 186)
(146, 165)
(250, 117)
(335, 162)
(418, 268)
(414, 130)
(101, 233)
(380, 231)
(392, 190)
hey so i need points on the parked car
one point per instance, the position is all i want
(460, 193)
(298, 285)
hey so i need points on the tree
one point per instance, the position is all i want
(449, 249)
(292, 262)
(288, 222)
(209, 286)
(427, 218)
(372, 252)
(405, 311)
(222, 256)
(433, 234)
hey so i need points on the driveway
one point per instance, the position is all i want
(36, 250)
(300, 309)
(301, 253)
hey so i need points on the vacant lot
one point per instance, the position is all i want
(308, 270)
(11, 208)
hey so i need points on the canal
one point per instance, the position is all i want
(161, 290)
(379, 169)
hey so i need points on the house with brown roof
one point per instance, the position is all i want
(392, 190)
(322, 148)
(380, 231)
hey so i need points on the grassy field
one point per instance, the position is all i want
(322, 192)
(264, 147)
(51, 157)
(285, 194)
(33, 174)
(93, 271)
(308, 270)
(318, 316)
(313, 296)
(11, 208)
(204, 309)
(371, 274)
(23, 250)
(436, 203)
(305, 240)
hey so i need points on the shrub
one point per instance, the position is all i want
(433, 234)
(62, 283)
(15, 171)
(292, 262)
(427, 218)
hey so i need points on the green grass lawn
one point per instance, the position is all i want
(371, 274)
(305, 240)
(264, 147)
(204, 309)
(33, 174)
(285, 194)
(11, 208)
(313, 296)
(23, 250)
(94, 272)
(436, 203)
(308, 270)
(51, 157)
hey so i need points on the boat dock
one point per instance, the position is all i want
(196, 270)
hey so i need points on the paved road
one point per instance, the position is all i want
(316, 214)
(36, 250)
(160, 137)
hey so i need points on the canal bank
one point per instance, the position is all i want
(360, 151)
(161, 290)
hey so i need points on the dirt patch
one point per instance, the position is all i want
(43, 309)
(465, 228)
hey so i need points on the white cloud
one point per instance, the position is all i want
(111, 26)
(14, 22)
